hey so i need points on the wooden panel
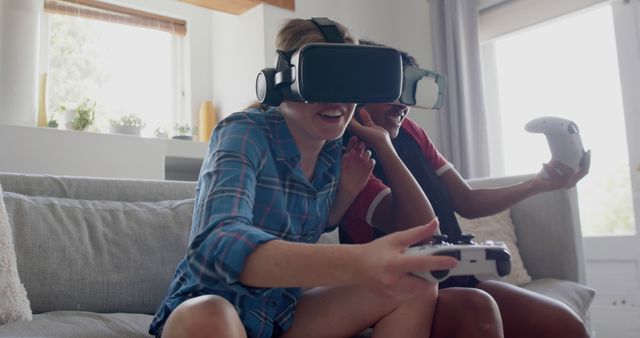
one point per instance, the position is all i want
(239, 6)
(286, 4)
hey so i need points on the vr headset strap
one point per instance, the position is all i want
(328, 29)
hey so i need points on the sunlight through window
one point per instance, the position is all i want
(125, 70)
(569, 68)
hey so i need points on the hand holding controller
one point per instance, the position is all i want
(563, 138)
(484, 261)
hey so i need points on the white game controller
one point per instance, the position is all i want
(563, 137)
(483, 261)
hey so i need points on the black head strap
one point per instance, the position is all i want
(283, 60)
(329, 30)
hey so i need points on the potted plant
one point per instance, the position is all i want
(128, 125)
(81, 117)
(161, 133)
(183, 132)
(52, 122)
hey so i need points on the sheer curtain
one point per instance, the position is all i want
(457, 54)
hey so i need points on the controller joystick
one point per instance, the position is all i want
(484, 261)
(563, 137)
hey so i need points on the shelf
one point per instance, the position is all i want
(73, 153)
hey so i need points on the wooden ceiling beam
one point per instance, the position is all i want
(240, 6)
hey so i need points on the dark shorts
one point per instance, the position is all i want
(159, 332)
(277, 331)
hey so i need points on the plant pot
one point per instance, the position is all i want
(69, 116)
(125, 130)
(161, 135)
(183, 137)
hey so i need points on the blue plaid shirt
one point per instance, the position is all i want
(250, 191)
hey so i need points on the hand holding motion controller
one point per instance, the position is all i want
(564, 140)
(488, 260)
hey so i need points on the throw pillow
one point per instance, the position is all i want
(97, 256)
(14, 304)
(577, 296)
(499, 228)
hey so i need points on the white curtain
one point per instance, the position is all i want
(457, 54)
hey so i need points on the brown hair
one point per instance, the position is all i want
(296, 33)
(407, 59)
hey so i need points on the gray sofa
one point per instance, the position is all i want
(96, 255)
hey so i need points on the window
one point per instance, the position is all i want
(126, 61)
(567, 67)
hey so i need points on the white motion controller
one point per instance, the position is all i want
(563, 137)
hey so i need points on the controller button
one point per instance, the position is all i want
(503, 268)
(497, 255)
(572, 128)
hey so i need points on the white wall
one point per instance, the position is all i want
(19, 35)
(238, 55)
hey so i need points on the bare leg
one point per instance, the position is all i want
(204, 316)
(466, 313)
(527, 314)
(345, 311)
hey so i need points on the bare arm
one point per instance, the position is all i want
(400, 210)
(379, 264)
(473, 203)
(355, 170)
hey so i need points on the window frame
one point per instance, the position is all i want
(626, 20)
(180, 72)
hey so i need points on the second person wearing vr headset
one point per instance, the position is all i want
(524, 313)
(263, 198)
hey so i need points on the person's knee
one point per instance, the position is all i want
(476, 310)
(486, 310)
(204, 316)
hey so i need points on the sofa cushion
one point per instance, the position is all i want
(100, 256)
(577, 296)
(77, 324)
(499, 227)
(14, 304)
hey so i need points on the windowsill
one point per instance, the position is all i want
(75, 153)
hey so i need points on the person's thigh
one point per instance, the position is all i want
(342, 311)
(529, 314)
(346, 311)
(204, 316)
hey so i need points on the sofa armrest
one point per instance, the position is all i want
(548, 231)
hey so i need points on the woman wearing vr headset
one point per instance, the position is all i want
(523, 313)
(263, 199)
